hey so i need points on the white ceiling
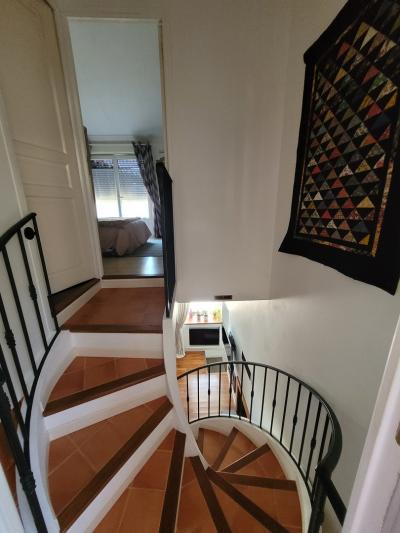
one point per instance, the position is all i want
(118, 72)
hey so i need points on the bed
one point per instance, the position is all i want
(122, 236)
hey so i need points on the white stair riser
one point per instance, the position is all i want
(118, 344)
(88, 413)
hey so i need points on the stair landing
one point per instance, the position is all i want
(131, 310)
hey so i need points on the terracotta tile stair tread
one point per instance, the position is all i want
(224, 450)
(100, 479)
(246, 503)
(172, 492)
(92, 393)
(148, 486)
(210, 497)
(247, 459)
(213, 441)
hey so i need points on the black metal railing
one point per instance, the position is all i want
(289, 410)
(167, 230)
(27, 344)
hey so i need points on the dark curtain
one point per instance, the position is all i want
(144, 157)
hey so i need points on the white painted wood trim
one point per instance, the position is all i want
(9, 517)
(191, 447)
(71, 309)
(380, 461)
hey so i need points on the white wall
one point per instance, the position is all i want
(224, 68)
(118, 72)
(327, 329)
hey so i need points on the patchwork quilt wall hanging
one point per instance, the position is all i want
(346, 198)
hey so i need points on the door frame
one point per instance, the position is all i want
(379, 466)
(68, 64)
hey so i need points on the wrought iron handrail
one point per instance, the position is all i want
(16, 420)
(275, 393)
(167, 230)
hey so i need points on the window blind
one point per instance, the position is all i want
(105, 188)
(119, 188)
(133, 193)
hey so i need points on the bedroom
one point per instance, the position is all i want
(117, 65)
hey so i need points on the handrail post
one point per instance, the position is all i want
(167, 229)
(318, 504)
(24, 471)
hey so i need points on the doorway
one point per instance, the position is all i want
(118, 72)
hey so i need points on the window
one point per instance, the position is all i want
(119, 188)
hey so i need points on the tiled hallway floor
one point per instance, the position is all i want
(127, 310)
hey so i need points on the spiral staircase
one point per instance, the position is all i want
(102, 438)
(231, 484)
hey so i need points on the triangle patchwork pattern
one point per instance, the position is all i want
(349, 138)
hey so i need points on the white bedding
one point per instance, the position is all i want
(122, 235)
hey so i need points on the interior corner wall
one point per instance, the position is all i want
(224, 66)
(329, 330)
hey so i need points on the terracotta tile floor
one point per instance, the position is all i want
(75, 458)
(140, 506)
(121, 310)
(86, 372)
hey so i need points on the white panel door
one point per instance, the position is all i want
(33, 87)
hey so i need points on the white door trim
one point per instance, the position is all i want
(71, 86)
(67, 60)
(380, 461)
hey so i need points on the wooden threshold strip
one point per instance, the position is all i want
(172, 492)
(112, 328)
(247, 459)
(68, 516)
(256, 481)
(200, 439)
(248, 505)
(224, 450)
(211, 499)
(80, 397)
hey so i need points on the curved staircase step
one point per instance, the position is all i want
(247, 458)
(213, 504)
(259, 514)
(139, 507)
(220, 450)
(171, 498)
(82, 463)
(88, 378)
(225, 448)
(194, 515)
